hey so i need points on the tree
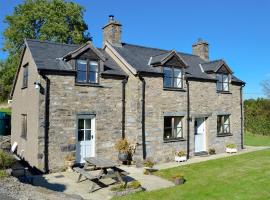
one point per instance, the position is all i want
(266, 88)
(53, 20)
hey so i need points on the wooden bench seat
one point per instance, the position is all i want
(84, 173)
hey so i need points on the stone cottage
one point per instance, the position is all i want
(160, 100)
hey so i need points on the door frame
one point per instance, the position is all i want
(205, 132)
(92, 117)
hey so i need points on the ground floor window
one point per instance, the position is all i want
(223, 124)
(173, 127)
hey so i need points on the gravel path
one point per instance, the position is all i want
(12, 189)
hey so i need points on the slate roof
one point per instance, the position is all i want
(47, 55)
(212, 66)
(139, 56)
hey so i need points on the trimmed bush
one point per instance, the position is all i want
(6, 160)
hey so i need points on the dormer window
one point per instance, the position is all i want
(87, 71)
(173, 77)
(223, 82)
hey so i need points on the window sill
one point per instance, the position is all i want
(88, 84)
(224, 92)
(174, 89)
(224, 134)
(174, 140)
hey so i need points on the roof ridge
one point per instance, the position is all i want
(51, 42)
(155, 48)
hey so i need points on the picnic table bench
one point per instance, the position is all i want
(108, 169)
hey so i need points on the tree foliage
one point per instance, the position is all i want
(257, 116)
(53, 20)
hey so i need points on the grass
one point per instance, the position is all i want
(244, 176)
(256, 140)
(7, 110)
(3, 174)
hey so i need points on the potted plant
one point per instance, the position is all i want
(148, 167)
(180, 156)
(123, 148)
(212, 151)
(178, 179)
(70, 161)
(231, 148)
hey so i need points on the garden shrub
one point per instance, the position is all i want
(6, 160)
(257, 116)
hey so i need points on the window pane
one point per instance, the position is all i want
(226, 128)
(219, 86)
(167, 133)
(81, 76)
(226, 86)
(219, 125)
(81, 65)
(93, 77)
(93, 66)
(226, 119)
(167, 77)
(88, 135)
(80, 135)
(167, 122)
(178, 82)
(87, 123)
(219, 77)
(178, 127)
(81, 124)
(167, 127)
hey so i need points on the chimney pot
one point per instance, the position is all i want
(111, 18)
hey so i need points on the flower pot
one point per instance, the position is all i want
(123, 156)
(178, 181)
(231, 150)
(69, 164)
(180, 158)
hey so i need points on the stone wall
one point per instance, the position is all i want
(67, 100)
(205, 101)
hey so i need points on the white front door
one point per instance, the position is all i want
(85, 138)
(200, 139)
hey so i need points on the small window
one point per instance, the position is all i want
(87, 71)
(25, 77)
(84, 129)
(223, 124)
(223, 82)
(172, 77)
(173, 128)
(24, 126)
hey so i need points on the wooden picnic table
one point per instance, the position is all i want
(107, 168)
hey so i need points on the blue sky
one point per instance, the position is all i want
(237, 30)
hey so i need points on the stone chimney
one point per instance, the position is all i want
(112, 32)
(201, 49)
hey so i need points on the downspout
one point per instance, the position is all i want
(46, 125)
(124, 82)
(188, 118)
(242, 119)
(143, 116)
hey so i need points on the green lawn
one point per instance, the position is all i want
(245, 176)
(256, 140)
(7, 110)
